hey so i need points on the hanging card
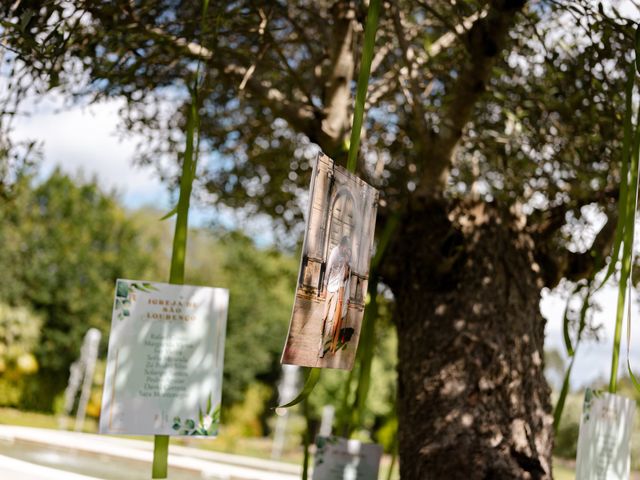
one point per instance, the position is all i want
(348, 459)
(332, 284)
(164, 366)
(605, 434)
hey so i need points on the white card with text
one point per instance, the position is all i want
(346, 459)
(605, 435)
(164, 366)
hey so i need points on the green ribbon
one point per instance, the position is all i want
(176, 276)
(625, 231)
(371, 26)
(179, 251)
(160, 456)
(363, 81)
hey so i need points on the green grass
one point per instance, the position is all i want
(563, 473)
(10, 416)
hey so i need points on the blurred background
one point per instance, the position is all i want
(66, 240)
(81, 215)
(80, 206)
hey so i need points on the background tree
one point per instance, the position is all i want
(65, 242)
(63, 246)
(490, 125)
(19, 335)
(261, 283)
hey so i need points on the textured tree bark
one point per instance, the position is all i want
(472, 399)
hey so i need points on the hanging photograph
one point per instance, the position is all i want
(164, 365)
(332, 284)
(605, 436)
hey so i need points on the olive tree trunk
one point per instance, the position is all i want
(472, 399)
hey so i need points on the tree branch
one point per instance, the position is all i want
(336, 121)
(299, 113)
(380, 87)
(195, 50)
(546, 223)
(264, 20)
(446, 40)
(585, 265)
(486, 39)
(327, 127)
(557, 262)
(414, 91)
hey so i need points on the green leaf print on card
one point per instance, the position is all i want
(207, 424)
(125, 296)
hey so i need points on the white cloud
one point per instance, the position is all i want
(84, 140)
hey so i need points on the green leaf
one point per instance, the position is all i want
(190, 423)
(557, 412)
(627, 254)
(565, 328)
(170, 214)
(627, 143)
(143, 287)
(571, 350)
(122, 289)
(632, 376)
(216, 414)
(309, 385)
(565, 321)
(25, 18)
(583, 313)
